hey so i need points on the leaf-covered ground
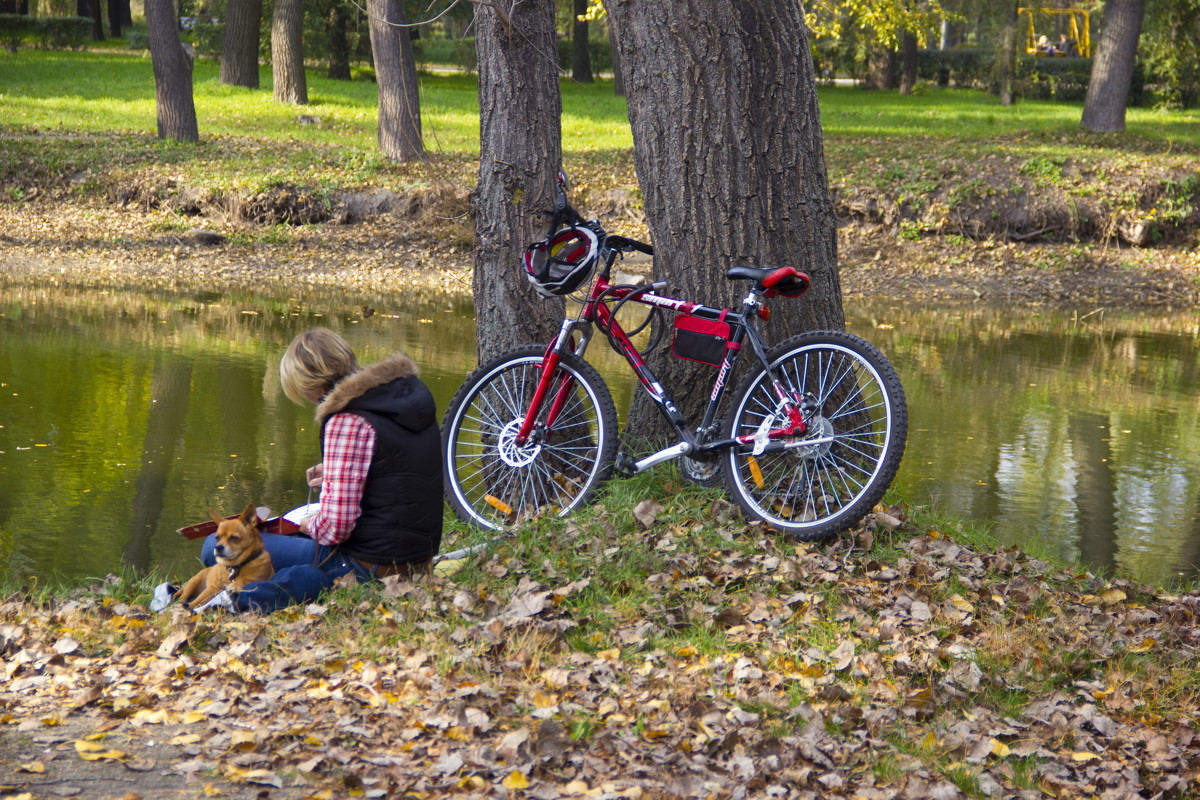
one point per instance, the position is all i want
(890, 663)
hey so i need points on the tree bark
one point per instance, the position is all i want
(1112, 69)
(396, 75)
(581, 56)
(239, 43)
(520, 153)
(287, 52)
(172, 74)
(730, 157)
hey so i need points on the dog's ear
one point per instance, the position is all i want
(214, 516)
(249, 517)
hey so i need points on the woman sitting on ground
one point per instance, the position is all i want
(380, 510)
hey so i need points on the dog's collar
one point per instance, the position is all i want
(234, 569)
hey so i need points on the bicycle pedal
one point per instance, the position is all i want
(624, 465)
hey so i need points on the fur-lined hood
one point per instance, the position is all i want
(357, 384)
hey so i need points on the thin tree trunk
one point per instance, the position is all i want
(336, 25)
(908, 71)
(1008, 54)
(239, 43)
(618, 78)
(172, 74)
(1112, 69)
(114, 18)
(520, 154)
(396, 75)
(730, 157)
(287, 52)
(581, 66)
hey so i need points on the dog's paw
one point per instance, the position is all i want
(164, 593)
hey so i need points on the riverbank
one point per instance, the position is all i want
(379, 242)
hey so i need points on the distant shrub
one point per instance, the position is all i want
(207, 38)
(960, 66)
(64, 33)
(14, 29)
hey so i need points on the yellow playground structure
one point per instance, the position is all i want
(1047, 33)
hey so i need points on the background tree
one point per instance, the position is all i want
(1112, 68)
(396, 74)
(172, 74)
(337, 17)
(1007, 57)
(91, 10)
(581, 54)
(730, 157)
(287, 52)
(1170, 49)
(239, 43)
(520, 152)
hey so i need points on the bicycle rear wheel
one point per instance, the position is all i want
(494, 482)
(821, 483)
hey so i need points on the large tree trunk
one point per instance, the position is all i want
(730, 157)
(172, 74)
(396, 74)
(239, 43)
(581, 56)
(520, 152)
(1112, 69)
(287, 52)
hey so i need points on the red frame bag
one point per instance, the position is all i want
(701, 340)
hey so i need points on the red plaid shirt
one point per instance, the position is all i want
(349, 445)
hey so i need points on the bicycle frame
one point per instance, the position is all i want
(596, 311)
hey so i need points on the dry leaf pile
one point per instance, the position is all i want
(737, 664)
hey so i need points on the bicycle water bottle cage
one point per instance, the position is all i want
(559, 264)
(785, 281)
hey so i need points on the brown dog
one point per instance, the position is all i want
(241, 559)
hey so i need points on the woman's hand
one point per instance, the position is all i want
(315, 475)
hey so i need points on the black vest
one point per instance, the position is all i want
(401, 520)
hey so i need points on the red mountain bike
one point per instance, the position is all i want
(811, 441)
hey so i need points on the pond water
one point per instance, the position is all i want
(125, 415)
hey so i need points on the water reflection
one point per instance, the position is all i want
(1078, 435)
(124, 416)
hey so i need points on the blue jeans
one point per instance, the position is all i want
(303, 569)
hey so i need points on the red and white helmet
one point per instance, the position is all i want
(558, 265)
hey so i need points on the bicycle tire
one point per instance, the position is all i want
(860, 423)
(490, 481)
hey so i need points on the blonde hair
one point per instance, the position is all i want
(314, 362)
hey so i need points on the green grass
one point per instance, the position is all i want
(109, 91)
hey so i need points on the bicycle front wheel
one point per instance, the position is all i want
(492, 481)
(821, 483)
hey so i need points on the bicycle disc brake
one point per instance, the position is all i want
(513, 454)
